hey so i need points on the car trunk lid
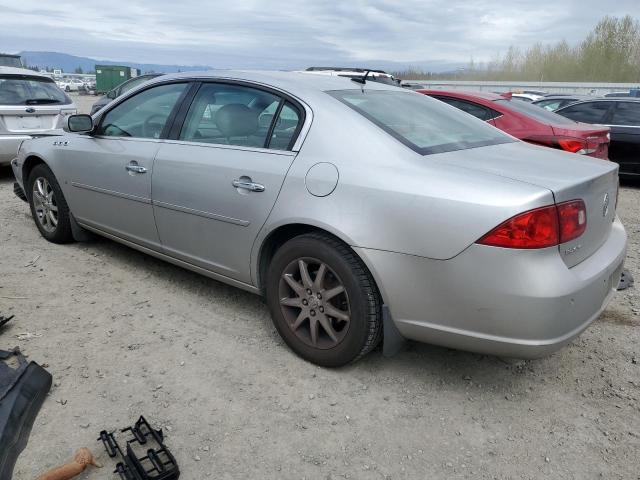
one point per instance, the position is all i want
(597, 137)
(568, 176)
(27, 119)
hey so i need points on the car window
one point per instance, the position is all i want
(537, 113)
(551, 105)
(230, 115)
(423, 124)
(478, 111)
(25, 90)
(134, 82)
(626, 113)
(144, 115)
(588, 112)
(285, 128)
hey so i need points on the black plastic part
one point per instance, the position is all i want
(79, 233)
(392, 341)
(17, 189)
(157, 464)
(22, 393)
(4, 320)
(626, 280)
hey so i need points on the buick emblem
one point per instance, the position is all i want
(30, 110)
(605, 205)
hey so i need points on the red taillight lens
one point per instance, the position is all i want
(533, 229)
(541, 227)
(573, 220)
(572, 145)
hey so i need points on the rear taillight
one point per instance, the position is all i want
(540, 228)
(575, 145)
(572, 218)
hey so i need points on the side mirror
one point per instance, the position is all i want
(79, 123)
(111, 94)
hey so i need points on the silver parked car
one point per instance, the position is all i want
(30, 104)
(358, 210)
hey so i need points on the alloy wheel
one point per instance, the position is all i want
(314, 303)
(45, 205)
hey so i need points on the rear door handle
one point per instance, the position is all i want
(134, 167)
(248, 185)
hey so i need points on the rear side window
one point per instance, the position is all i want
(588, 112)
(626, 113)
(25, 90)
(285, 128)
(535, 112)
(478, 111)
(240, 115)
(423, 124)
(550, 105)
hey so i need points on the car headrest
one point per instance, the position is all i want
(236, 120)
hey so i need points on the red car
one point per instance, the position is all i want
(529, 122)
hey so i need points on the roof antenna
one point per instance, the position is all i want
(361, 80)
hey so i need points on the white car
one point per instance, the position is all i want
(70, 84)
(526, 97)
(30, 105)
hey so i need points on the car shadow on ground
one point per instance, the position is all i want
(415, 359)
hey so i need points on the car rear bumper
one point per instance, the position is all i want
(514, 303)
(9, 145)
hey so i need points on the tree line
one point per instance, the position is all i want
(609, 53)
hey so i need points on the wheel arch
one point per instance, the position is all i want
(279, 235)
(28, 165)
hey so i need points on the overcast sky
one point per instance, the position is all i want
(294, 34)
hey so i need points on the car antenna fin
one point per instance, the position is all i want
(361, 80)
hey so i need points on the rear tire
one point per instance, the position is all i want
(323, 300)
(48, 206)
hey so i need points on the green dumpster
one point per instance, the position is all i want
(110, 76)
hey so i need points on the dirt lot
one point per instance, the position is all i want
(124, 334)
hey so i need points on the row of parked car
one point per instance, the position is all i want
(607, 127)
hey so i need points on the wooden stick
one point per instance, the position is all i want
(82, 458)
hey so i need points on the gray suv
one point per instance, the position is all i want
(31, 104)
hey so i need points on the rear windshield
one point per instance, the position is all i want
(421, 123)
(25, 90)
(535, 112)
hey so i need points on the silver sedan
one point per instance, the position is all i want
(359, 210)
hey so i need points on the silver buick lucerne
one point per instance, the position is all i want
(359, 210)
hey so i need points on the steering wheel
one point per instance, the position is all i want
(151, 129)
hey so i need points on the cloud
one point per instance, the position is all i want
(295, 34)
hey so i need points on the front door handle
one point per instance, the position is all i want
(248, 185)
(134, 167)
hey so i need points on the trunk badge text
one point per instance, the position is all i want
(60, 143)
(605, 205)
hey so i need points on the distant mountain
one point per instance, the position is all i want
(69, 63)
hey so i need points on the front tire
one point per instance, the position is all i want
(48, 205)
(323, 300)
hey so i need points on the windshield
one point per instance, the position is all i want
(535, 112)
(422, 123)
(25, 90)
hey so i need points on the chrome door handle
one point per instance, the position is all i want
(252, 186)
(136, 168)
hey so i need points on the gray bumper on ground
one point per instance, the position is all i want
(516, 303)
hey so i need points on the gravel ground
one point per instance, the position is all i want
(124, 334)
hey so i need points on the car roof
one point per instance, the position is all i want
(295, 83)
(468, 94)
(21, 71)
(610, 99)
